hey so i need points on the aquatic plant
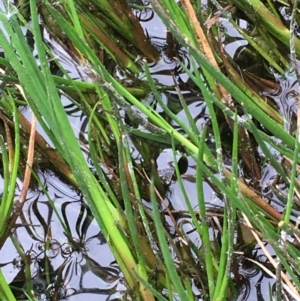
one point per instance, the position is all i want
(154, 252)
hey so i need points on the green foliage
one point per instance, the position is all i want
(139, 237)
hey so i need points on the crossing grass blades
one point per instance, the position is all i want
(154, 252)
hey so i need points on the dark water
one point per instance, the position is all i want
(79, 263)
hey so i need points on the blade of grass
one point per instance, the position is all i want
(235, 92)
(168, 260)
(48, 102)
(202, 209)
(5, 291)
(228, 225)
(127, 176)
(12, 173)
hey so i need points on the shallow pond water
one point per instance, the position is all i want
(74, 262)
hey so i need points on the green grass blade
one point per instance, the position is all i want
(5, 291)
(202, 208)
(168, 260)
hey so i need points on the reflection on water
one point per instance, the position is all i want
(65, 261)
(285, 97)
(62, 244)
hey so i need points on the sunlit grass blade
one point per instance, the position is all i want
(75, 19)
(5, 291)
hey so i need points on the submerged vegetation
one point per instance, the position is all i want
(195, 251)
